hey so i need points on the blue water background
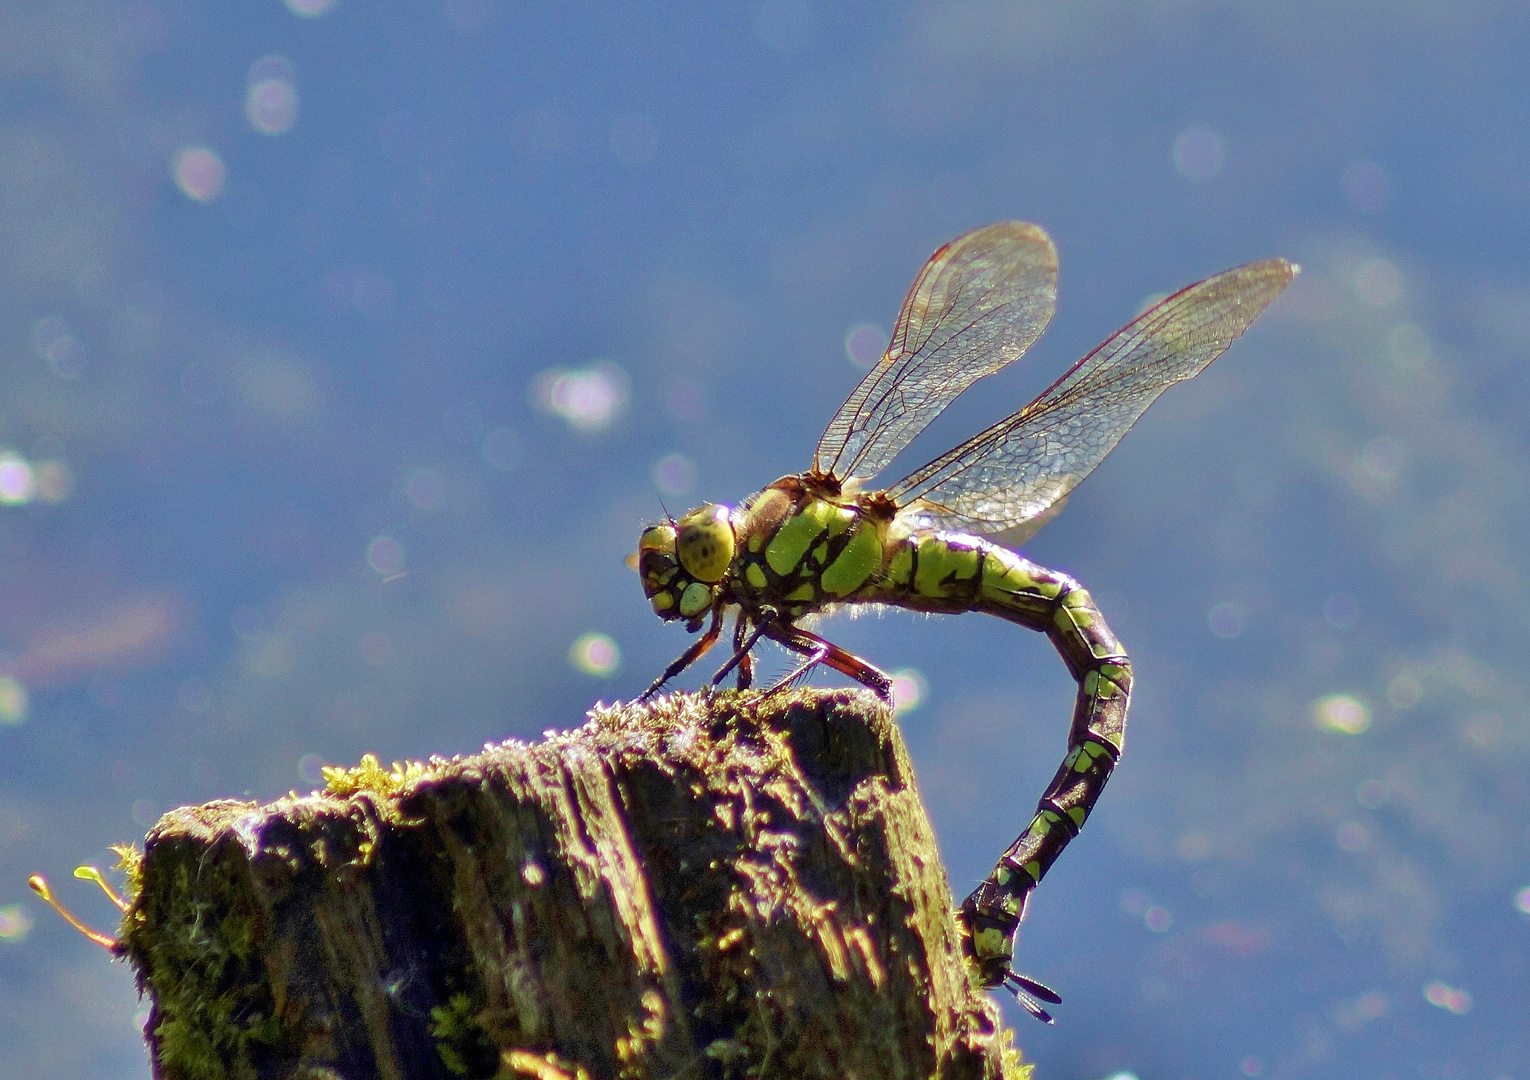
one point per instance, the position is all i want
(345, 348)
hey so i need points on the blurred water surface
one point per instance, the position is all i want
(345, 347)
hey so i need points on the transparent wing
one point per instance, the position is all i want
(977, 305)
(1010, 475)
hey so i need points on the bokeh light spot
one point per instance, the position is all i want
(634, 139)
(14, 704)
(1483, 732)
(1352, 836)
(595, 654)
(1369, 1006)
(385, 556)
(864, 344)
(311, 768)
(199, 173)
(1251, 1066)
(1378, 282)
(271, 101)
(1367, 186)
(501, 448)
(1198, 154)
(56, 343)
(1378, 467)
(1227, 620)
(1447, 997)
(310, 9)
(1371, 794)
(1522, 900)
(1158, 919)
(588, 399)
(18, 484)
(1342, 713)
(15, 923)
(425, 489)
(1194, 846)
(909, 689)
(674, 474)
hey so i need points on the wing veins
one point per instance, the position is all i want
(1001, 279)
(1085, 412)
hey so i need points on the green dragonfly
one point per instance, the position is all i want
(818, 539)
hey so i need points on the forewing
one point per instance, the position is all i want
(977, 305)
(1009, 476)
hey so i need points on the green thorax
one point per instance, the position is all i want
(802, 544)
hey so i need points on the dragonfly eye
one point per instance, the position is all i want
(656, 538)
(705, 543)
(657, 564)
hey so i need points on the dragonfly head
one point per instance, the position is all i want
(684, 564)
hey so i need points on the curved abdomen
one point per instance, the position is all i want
(952, 573)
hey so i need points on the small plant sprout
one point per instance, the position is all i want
(130, 860)
(40, 886)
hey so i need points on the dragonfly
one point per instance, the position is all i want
(941, 539)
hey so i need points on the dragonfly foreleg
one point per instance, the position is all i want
(741, 646)
(818, 651)
(746, 658)
(1096, 659)
(689, 657)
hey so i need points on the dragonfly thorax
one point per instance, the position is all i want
(684, 564)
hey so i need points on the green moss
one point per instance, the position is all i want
(465, 1047)
(194, 944)
(1012, 1063)
(130, 862)
(369, 776)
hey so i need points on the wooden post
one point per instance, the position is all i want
(721, 886)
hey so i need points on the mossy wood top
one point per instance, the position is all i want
(701, 887)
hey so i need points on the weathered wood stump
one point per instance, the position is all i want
(703, 887)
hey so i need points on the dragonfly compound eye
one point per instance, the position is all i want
(655, 562)
(705, 543)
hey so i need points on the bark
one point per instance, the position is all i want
(702, 887)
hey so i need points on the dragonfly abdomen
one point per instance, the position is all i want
(952, 572)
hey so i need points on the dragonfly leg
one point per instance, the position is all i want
(818, 651)
(689, 657)
(746, 660)
(741, 658)
(1096, 659)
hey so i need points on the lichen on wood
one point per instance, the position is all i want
(732, 885)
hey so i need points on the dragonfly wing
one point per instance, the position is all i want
(1010, 476)
(977, 305)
